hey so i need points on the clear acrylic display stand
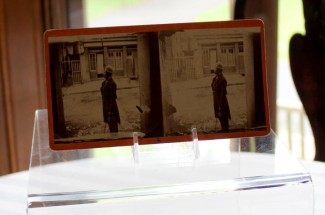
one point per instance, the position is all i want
(230, 176)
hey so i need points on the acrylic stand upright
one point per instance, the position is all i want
(236, 176)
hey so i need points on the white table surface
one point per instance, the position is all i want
(13, 190)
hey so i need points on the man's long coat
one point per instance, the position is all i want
(220, 101)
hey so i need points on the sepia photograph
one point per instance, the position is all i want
(157, 82)
(212, 80)
(95, 87)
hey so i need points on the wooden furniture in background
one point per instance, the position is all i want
(22, 77)
(307, 61)
(22, 71)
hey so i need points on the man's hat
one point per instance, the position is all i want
(219, 66)
(109, 70)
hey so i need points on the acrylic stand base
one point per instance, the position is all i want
(231, 176)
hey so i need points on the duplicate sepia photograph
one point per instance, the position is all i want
(212, 80)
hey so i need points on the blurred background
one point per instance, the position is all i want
(22, 68)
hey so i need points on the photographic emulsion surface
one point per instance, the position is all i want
(160, 81)
(212, 80)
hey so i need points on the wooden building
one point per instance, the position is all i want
(193, 55)
(86, 59)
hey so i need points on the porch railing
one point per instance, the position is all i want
(294, 130)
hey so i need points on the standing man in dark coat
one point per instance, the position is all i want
(220, 101)
(110, 110)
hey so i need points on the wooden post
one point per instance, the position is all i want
(144, 81)
(57, 98)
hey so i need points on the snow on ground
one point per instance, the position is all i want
(83, 107)
(193, 100)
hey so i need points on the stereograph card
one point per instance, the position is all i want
(161, 81)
